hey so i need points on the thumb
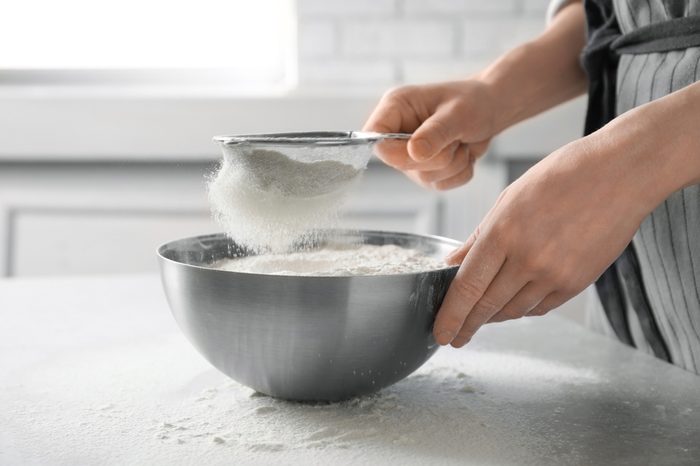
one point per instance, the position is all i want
(433, 135)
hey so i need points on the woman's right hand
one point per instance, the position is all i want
(452, 124)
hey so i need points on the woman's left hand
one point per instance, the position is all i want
(549, 235)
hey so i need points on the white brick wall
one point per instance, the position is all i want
(336, 73)
(451, 7)
(396, 38)
(316, 39)
(492, 36)
(379, 43)
(423, 71)
(344, 8)
(537, 7)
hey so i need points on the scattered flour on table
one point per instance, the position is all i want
(269, 201)
(450, 400)
(116, 402)
(259, 423)
(337, 260)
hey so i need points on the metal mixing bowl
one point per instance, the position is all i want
(301, 337)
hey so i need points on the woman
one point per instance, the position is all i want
(619, 207)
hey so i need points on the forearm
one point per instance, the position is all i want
(542, 73)
(654, 148)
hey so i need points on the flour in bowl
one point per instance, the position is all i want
(337, 260)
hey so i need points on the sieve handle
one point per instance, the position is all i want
(374, 137)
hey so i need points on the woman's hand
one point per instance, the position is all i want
(452, 124)
(549, 235)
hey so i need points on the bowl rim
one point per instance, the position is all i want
(161, 248)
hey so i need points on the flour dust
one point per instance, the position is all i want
(269, 201)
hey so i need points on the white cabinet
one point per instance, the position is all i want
(66, 242)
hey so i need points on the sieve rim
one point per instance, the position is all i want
(333, 138)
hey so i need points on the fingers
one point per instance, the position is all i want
(522, 303)
(436, 156)
(434, 134)
(394, 152)
(457, 173)
(392, 114)
(457, 180)
(459, 161)
(458, 255)
(441, 161)
(473, 278)
(477, 149)
(504, 286)
(550, 302)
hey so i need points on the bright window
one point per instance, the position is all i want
(242, 43)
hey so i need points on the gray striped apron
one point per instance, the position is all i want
(639, 51)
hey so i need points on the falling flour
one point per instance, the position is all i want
(271, 201)
(337, 260)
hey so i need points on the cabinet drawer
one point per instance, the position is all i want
(75, 242)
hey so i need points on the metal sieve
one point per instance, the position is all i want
(302, 165)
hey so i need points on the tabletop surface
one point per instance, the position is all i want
(95, 371)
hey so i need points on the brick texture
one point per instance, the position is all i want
(316, 39)
(491, 37)
(379, 43)
(345, 8)
(464, 7)
(396, 38)
(425, 71)
(361, 73)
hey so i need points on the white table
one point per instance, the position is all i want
(94, 371)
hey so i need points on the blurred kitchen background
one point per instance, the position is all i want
(107, 110)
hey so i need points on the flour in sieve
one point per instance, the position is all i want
(337, 260)
(269, 201)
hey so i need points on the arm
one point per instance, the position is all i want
(540, 74)
(454, 122)
(559, 226)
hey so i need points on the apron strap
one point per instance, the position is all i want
(628, 265)
(674, 34)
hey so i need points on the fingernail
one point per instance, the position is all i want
(424, 149)
(443, 337)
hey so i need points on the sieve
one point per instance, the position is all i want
(303, 164)
(313, 138)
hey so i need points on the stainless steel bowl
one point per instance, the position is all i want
(300, 337)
